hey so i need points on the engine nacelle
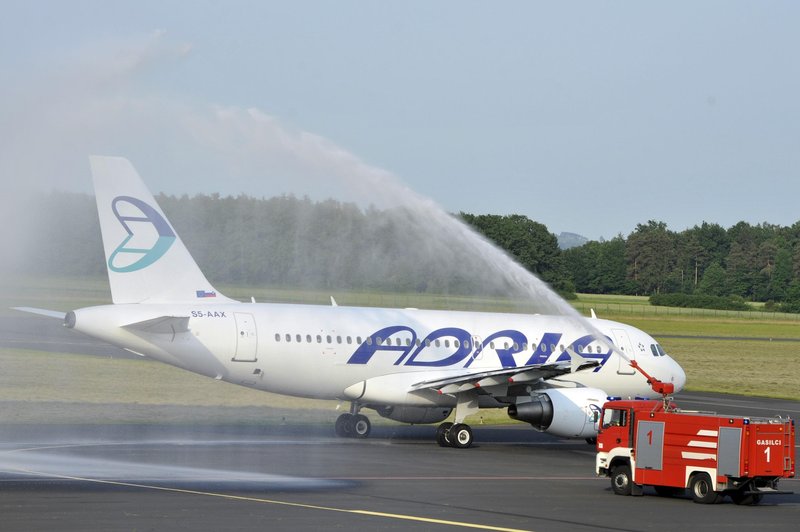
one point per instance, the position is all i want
(565, 412)
(414, 414)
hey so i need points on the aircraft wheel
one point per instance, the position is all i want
(442, 433)
(344, 426)
(361, 426)
(460, 436)
(702, 489)
(621, 481)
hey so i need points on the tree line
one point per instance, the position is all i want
(330, 244)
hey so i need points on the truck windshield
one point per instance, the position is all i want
(613, 417)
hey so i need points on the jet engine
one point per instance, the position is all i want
(565, 412)
(414, 414)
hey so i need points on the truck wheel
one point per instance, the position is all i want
(702, 489)
(621, 481)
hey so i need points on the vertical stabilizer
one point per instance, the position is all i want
(146, 259)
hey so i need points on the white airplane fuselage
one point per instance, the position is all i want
(322, 351)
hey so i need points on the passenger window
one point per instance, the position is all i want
(338, 339)
(369, 340)
(456, 343)
(466, 345)
(533, 347)
(438, 343)
(277, 337)
(330, 340)
(379, 340)
(308, 338)
(408, 341)
(397, 341)
(288, 337)
(349, 340)
(427, 342)
(516, 346)
(319, 339)
(358, 340)
(447, 343)
(298, 338)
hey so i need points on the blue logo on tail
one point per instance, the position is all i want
(147, 256)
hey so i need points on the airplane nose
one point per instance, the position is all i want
(678, 377)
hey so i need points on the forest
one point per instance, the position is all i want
(329, 244)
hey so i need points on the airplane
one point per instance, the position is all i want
(409, 365)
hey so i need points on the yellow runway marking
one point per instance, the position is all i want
(283, 503)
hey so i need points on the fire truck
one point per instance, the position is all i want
(653, 443)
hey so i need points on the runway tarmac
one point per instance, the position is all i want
(231, 477)
(236, 476)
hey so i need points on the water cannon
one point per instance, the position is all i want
(660, 387)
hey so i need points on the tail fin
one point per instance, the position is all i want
(146, 260)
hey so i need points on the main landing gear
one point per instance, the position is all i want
(352, 424)
(458, 435)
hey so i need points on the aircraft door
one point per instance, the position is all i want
(246, 337)
(623, 343)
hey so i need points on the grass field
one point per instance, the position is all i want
(34, 386)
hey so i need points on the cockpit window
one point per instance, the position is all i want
(657, 350)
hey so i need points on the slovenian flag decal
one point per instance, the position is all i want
(204, 293)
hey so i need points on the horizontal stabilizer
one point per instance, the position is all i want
(161, 325)
(42, 312)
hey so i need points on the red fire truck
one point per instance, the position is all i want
(652, 443)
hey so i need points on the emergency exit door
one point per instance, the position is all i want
(246, 337)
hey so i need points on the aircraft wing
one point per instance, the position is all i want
(521, 374)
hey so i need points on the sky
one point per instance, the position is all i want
(589, 117)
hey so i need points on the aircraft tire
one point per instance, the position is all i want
(702, 489)
(460, 435)
(442, 433)
(344, 426)
(360, 426)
